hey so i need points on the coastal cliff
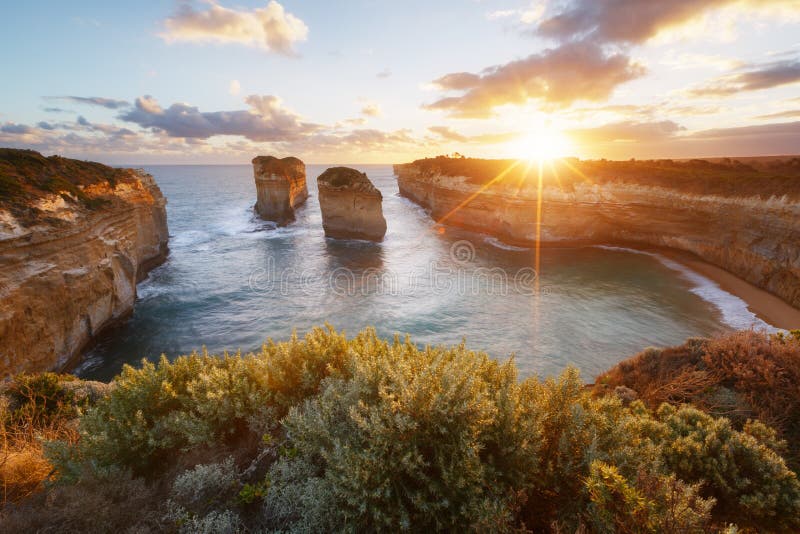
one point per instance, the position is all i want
(351, 205)
(280, 186)
(75, 238)
(740, 218)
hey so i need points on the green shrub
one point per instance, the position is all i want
(412, 439)
(158, 410)
(741, 470)
(161, 409)
(652, 503)
(365, 434)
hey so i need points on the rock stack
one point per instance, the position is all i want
(351, 205)
(280, 186)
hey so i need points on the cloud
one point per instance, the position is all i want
(790, 114)
(234, 87)
(266, 120)
(109, 103)
(752, 78)
(626, 131)
(57, 110)
(636, 21)
(448, 134)
(667, 139)
(526, 16)
(557, 77)
(356, 121)
(591, 56)
(15, 129)
(754, 132)
(385, 73)
(270, 28)
(371, 109)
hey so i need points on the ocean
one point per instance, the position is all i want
(232, 281)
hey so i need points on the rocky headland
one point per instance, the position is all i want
(75, 238)
(742, 217)
(351, 205)
(280, 186)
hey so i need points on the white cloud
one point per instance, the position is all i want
(371, 109)
(234, 87)
(270, 28)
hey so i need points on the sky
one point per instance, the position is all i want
(376, 81)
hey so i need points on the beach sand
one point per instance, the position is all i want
(765, 305)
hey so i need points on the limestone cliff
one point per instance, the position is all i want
(755, 237)
(280, 186)
(75, 238)
(351, 206)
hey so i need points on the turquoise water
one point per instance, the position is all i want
(231, 281)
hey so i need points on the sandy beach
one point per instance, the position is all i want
(765, 305)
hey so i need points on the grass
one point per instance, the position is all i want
(26, 175)
(35, 409)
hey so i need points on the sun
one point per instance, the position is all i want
(543, 144)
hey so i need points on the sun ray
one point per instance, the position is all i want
(485, 186)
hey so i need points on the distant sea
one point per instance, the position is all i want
(231, 281)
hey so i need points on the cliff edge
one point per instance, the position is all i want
(740, 217)
(75, 238)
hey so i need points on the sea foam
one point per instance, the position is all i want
(734, 310)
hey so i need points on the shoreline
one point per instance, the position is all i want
(766, 306)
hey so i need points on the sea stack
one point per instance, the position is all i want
(351, 205)
(280, 186)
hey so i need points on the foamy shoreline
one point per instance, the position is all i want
(764, 305)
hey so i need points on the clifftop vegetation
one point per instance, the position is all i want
(26, 176)
(334, 434)
(726, 177)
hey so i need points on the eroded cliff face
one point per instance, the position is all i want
(71, 260)
(351, 205)
(753, 238)
(280, 187)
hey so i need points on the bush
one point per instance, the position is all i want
(412, 438)
(656, 503)
(40, 399)
(743, 375)
(34, 408)
(331, 434)
(157, 411)
(741, 470)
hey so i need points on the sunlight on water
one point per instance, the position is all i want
(232, 281)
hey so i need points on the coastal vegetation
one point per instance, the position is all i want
(27, 176)
(747, 177)
(335, 433)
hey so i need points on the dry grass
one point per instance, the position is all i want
(32, 410)
(742, 375)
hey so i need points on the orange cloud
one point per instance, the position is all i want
(557, 76)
